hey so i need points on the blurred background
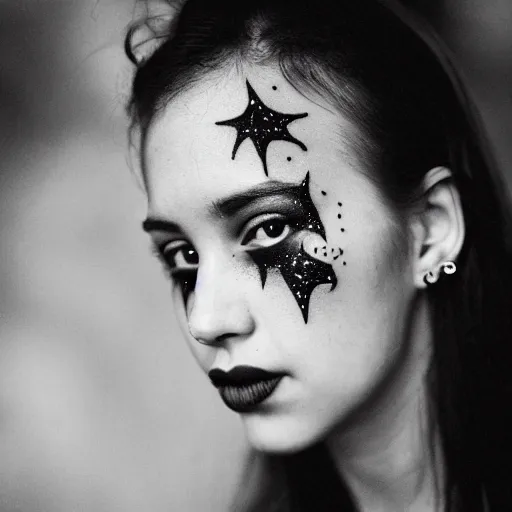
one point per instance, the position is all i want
(101, 406)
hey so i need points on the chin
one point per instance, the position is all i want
(278, 436)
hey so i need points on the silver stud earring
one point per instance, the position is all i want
(447, 268)
(429, 278)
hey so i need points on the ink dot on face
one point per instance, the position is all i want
(339, 215)
(345, 263)
(343, 230)
(316, 250)
(339, 204)
(274, 87)
(289, 159)
(324, 193)
(341, 251)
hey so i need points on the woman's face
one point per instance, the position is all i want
(283, 254)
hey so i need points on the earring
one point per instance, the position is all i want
(447, 268)
(429, 278)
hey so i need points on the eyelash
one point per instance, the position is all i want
(177, 273)
(167, 258)
(260, 224)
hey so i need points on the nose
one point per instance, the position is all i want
(218, 309)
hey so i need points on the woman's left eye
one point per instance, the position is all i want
(267, 233)
(180, 257)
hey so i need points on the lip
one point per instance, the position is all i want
(244, 387)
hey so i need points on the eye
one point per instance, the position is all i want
(180, 256)
(267, 233)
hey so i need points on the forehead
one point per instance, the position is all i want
(189, 157)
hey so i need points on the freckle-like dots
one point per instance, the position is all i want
(340, 204)
(339, 254)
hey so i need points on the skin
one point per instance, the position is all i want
(355, 372)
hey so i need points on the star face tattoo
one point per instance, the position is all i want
(301, 272)
(262, 125)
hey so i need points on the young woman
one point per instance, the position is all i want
(322, 195)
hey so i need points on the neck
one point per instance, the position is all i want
(390, 458)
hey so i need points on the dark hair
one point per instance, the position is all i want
(391, 78)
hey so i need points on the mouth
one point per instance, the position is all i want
(244, 387)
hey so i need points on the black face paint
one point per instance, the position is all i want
(301, 272)
(187, 283)
(262, 125)
(185, 278)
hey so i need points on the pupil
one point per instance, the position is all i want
(191, 257)
(274, 228)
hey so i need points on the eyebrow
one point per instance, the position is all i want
(154, 224)
(236, 202)
(231, 205)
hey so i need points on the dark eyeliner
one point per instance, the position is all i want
(178, 275)
(287, 221)
(281, 205)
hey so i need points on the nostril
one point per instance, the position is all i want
(223, 337)
(214, 340)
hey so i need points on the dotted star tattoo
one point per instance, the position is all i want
(262, 125)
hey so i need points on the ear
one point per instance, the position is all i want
(437, 224)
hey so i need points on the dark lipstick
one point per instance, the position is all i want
(244, 387)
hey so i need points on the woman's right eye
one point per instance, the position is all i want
(181, 257)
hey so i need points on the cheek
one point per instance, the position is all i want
(357, 339)
(361, 320)
(202, 354)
